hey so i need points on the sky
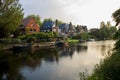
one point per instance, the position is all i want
(81, 12)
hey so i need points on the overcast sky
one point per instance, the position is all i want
(82, 12)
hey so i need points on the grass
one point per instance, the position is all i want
(72, 40)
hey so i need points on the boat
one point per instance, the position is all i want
(60, 42)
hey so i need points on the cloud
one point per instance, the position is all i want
(86, 12)
(50, 8)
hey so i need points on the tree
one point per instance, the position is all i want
(102, 24)
(116, 16)
(11, 15)
(84, 35)
(104, 33)
(112, 31)
(47, 20)
(60, 22)
(36, 17)
(108, 24)
(95, 33)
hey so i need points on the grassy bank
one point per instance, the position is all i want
(108, 69)
(72, 40)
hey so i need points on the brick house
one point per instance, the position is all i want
(29, 26)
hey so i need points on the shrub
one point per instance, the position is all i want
(10, 41)
(22, 37)
(31, 38)
(15, 40)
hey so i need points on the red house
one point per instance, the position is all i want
(29, 26)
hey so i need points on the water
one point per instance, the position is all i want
(53, 64)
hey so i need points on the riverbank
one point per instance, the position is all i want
(40, 45)
(108, 69)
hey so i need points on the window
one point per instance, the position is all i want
(32, 25)
(30, 29)
(35, 30)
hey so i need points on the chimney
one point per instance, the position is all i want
(56, 23)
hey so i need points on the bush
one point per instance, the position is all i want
(10, 41)
(108, 69)
(22, 37)
(15, 40)
(31, 38)
(39, 37)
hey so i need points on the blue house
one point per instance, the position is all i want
(47, 26)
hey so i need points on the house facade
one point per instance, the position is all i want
(29, 26)
(49, 26)
(64, 28)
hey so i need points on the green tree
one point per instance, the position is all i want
(112, 31)
(37, 18)
(102, 24)
(116, 16)
(85, 36)
(47, 19)
(11, 15)
(60, 22)
(95, 33)
(108, 24)
(82, 35)
(104, 33)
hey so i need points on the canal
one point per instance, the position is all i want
(53, 64)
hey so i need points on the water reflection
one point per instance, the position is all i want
(69, 51)
(9, 67)
(13, 65)
(80, 48)
(11, 62)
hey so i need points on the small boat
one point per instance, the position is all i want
(61, 44)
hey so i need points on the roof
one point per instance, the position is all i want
(47, 25)
(26, 21)
(62, 26)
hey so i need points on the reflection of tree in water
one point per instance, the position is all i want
(10, 64)
(80, 48)
(69, 51)
(33, 58)
(66, 51)
(50, 55)
(105, 49)
(9, 67)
